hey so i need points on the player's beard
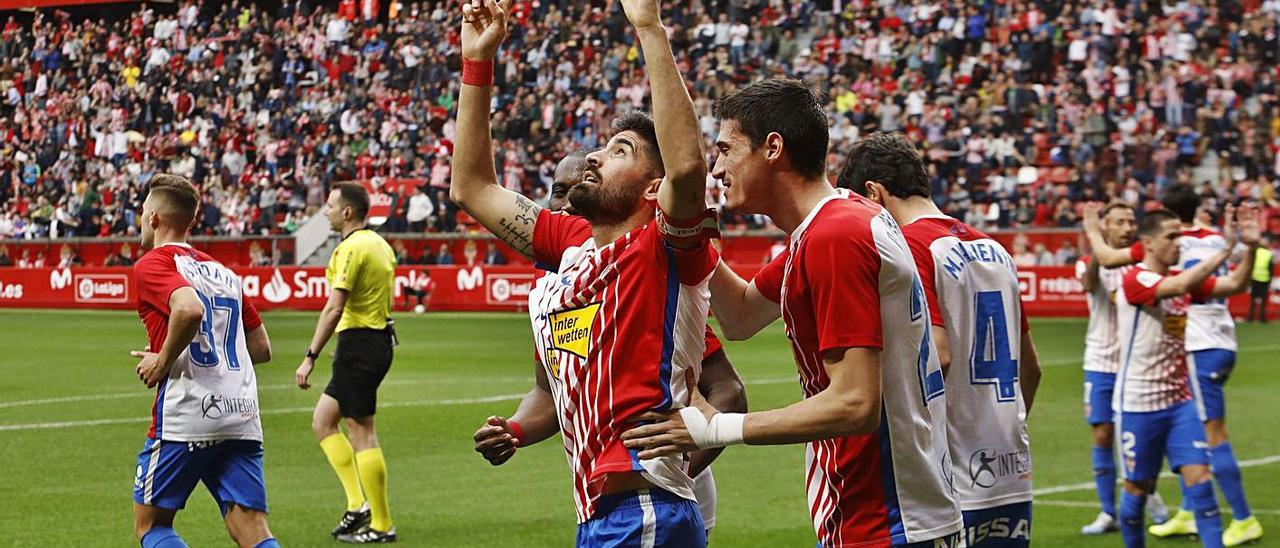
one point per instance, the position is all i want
(605, 205)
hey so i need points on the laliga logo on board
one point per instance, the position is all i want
(102, 288)
(508, 287)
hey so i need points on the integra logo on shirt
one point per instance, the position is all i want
(986, 466)
(571, 331)
(216, 406)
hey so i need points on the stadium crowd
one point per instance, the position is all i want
(1024, 109)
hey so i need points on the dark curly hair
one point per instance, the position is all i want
(886, 158)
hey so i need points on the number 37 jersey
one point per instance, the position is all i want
(211, 392)
(971, 286)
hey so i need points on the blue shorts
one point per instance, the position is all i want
(1000, 527)
(1211, 370)
(644, 518)
(1146, 438)
(1098, 389)
(167, 472)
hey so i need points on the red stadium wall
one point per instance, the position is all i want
(1046, 291)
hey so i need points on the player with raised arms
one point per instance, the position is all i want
(983, 340)
(621, 332)
(535, 417)
(1117, 225)
(1157, 414)
(873, 415)
(1211, 356)
(207, 340)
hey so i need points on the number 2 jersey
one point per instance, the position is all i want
(971, 286)
(620, 330)
(847, 280)
(1209, 322)
(1153, 371)
(211, 392)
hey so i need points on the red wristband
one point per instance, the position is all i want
(517, 432)
(477, 73)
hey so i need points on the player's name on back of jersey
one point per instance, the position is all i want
(963, 253)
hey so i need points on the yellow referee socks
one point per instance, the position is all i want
(373, 474)
(343, 460)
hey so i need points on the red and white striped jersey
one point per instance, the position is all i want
(1153, 371)
(971, 287)
(1102, 336)
(848, 280)
(620, 330)
(211, 392)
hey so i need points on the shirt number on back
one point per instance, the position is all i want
(204, 349)
(931, 383)
(992, 360)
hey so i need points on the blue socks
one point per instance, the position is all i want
(162, 537)
(1104, 477)
(1131, 526)
(1205, 507)
(269, 543)
(1223, 462)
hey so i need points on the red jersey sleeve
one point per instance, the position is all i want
(252, 320)
(842, 270)
(925, 269)
(713, 344)
(1205, 291)
(769, 279)
(1137, 253)
(157, 278)
(1140, 286)
(553, 233)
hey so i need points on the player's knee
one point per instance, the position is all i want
(1139, 488)
(1215, 432)
(1195, 474)
(247, 527)
(1104, 435)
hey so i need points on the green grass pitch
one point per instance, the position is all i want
(73, 417)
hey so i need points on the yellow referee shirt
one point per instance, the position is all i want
(365, 267)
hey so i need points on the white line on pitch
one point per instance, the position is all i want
(285, 410)
(1094, 505)
(1263, 461)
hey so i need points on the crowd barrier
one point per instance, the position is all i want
(1046, 291)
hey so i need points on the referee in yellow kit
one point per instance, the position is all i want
(361, 276)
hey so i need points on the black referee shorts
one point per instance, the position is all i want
(360, 363)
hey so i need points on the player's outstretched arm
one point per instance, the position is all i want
(535, 420)
(722, 387)
(259, 345)
(474, 183)
(850, 405)
(1190, 279)
(1028, 371)
(739, 306)
(683, 191)
(1248, 230)
(186, 312)
(1102, 252)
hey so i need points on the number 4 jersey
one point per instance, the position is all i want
(974, 280)
(211, 392)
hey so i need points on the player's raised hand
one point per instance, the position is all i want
(495, 441)
(1229, 229)
(149, 369)
(642, 13)
(1249, 225)
(1089, 214)
(484, 27)
(303, 373)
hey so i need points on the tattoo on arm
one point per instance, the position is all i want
(517, 230)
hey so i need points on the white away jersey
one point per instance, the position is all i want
(971, 287)
(1102, 336)
(211, 392)
(1153, 371)
(619, 330)
(848, 281)
(1209, 322)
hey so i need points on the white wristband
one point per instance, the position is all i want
(723, 429)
